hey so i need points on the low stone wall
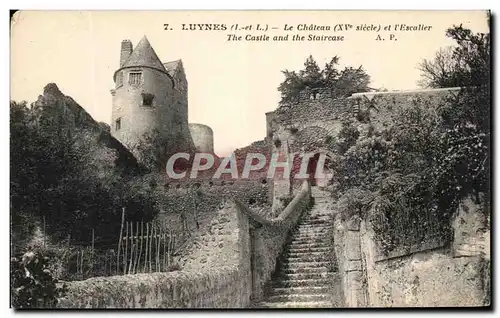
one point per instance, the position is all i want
(219, 288)
(268, 237)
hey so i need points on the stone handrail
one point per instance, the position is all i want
(268, 240)
(287, 217)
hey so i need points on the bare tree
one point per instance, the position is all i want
(466, 64)
(438, 71)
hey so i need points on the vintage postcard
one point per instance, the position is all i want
(250, 159)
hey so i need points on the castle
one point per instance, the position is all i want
(152, 97)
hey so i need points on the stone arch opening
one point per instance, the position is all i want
(311, 141)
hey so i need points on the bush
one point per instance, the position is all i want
(409, 177)
(174, 267)
(32, 283)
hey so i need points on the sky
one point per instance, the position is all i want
(231, 84)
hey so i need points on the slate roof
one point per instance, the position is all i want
(144, 55)
(172, 66)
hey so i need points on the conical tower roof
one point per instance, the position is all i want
(144, 55)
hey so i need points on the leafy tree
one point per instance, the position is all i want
(340, 82)
(64, 175)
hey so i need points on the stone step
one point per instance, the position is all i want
(321, 197)
(310, 240)
(318, 227)
(305, 253)
(311, 304)
(325, 221)
(304, 270)
(309, 233)
(308, 244)
(321, 201)
(298, 265)
(317, 216)
(316, 222)
(295, 253)
(299, 298)
(303, 282)
(309, 237)
(307, 258)
(312, 229)
(321, 208)
(314, 226)
(311, 249)
(318, 212)
(301, 276)
(308, 290)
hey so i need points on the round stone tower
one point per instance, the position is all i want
(149, 113)
(203, 137)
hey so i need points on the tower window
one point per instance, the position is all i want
(135, 78)
(147, 99)
(118, 124)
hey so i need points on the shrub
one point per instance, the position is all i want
(174, 267)
(409, 177)
(32, 284)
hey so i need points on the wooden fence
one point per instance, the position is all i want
(145, 248)
(142, 247)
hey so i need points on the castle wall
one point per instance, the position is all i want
(180, 103)
(379, 106)
(456, 275)
(203, 137)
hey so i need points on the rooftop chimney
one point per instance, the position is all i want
(125, 52)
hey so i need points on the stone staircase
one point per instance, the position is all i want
(304, 278)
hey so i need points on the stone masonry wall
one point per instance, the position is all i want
(457, 275)
(347, 250)
(379, 106)
(224, 241)
(180, 199)
(208, 289)
(218, 276)
(454, 276)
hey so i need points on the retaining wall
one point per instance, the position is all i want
(453, 275)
